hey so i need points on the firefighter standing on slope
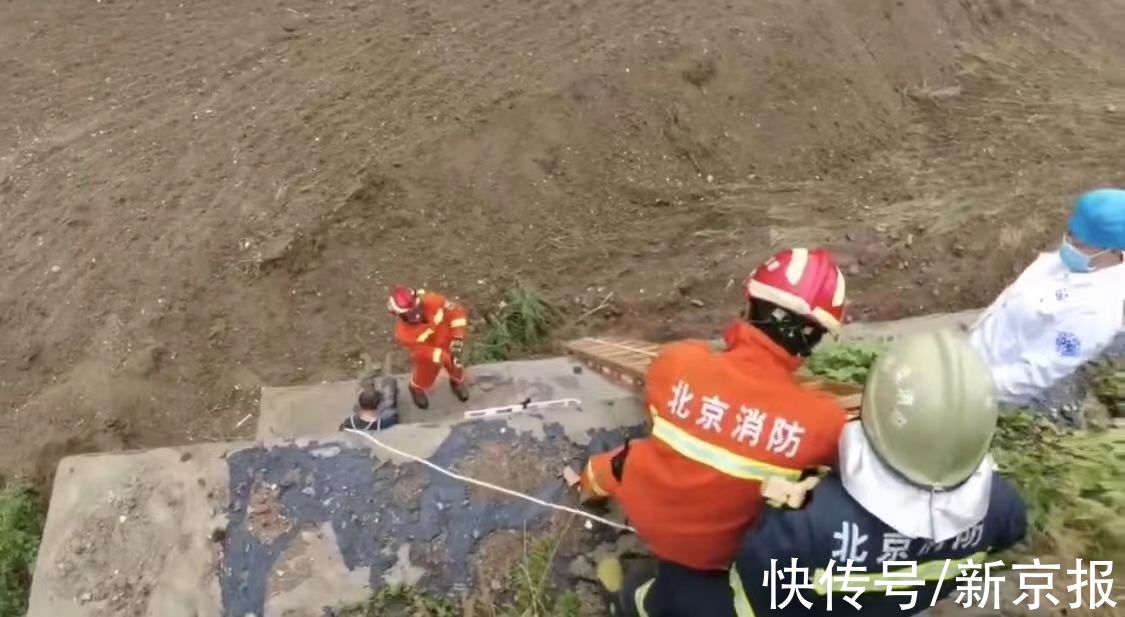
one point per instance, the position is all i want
(433, 330)
(916, 497)
(722, 423)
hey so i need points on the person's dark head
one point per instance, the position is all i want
(369, 399)
(795, 298)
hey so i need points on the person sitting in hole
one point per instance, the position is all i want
(376, 408)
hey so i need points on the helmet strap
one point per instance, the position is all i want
(413, 316)
(794, 333)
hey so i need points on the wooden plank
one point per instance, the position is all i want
(626, 362)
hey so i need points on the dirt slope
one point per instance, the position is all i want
(199, 197)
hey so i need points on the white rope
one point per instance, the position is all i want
(482, 484)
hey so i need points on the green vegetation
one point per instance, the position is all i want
(1073, 481)
(1109, 386)
(402, 602)
(843, 363)
(522, 323)
(536, 595)
(531, 590)
(21, 524)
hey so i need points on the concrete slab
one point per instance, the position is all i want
(130, 534)
(319, 409)
(291, 527)
(887, 331)
(305, 410)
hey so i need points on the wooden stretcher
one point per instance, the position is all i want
(625, 361)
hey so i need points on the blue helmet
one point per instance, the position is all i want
(1099, 219)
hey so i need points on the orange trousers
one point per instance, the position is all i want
(426, 372)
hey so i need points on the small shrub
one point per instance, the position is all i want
(532, 592)
(522, 323)
(401, 601)
(1073, 483)
(1109, 385)
(21, 525)
(536, 596)
(843, 363)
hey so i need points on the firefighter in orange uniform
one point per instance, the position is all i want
(433, 330)
(722, 423)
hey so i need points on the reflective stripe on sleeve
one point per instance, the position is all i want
(437, 356)
(715, 457)
(439, 316)
(460, 322)
(427, 333)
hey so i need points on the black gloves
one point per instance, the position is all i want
(457, 349)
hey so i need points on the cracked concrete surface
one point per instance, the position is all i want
(294, 526)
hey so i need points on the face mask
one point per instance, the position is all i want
(1074, 259)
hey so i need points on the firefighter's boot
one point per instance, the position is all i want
(460, 390)
(419, 396)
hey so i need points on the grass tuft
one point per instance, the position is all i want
(401, 601)
(530, 590)
(1072, 481)
(21, 525)
(843, 363)
(535, 594)
(522, 323)
(1109, 385)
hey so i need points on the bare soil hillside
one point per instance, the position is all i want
(200, 197)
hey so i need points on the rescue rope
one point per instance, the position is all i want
(482, 484)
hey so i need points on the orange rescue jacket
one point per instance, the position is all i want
(722, 423)
(442, 322)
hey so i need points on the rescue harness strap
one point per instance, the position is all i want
(482, 484)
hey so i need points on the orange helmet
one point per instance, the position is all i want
(403, 300)
(803, 281)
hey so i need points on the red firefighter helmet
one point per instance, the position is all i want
(804, 281)
(403, 300)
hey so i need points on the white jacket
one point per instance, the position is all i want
(1047, 324)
